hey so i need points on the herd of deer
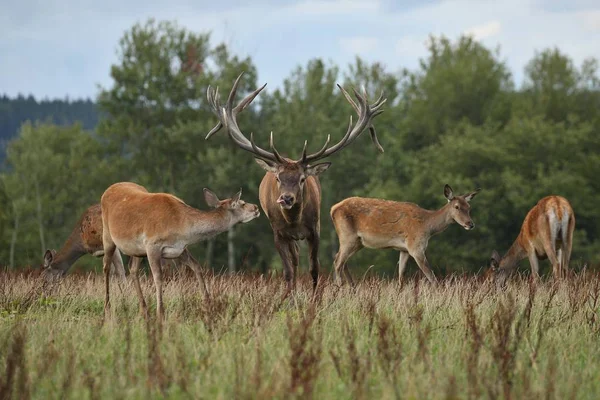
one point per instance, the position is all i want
(160, 226)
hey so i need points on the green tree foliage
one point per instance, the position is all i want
(56, 173)
(458, 119)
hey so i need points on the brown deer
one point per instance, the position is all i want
(160, 225)
(290, 192)
(85, 238)
(384, 224)
(547, 232)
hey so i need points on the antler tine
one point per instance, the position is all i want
(305, 159)
(366, 114)
(211, 95)
(275, 152)
(227, 118)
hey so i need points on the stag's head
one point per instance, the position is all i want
(291, 175)
(239, 210)
(460, 208)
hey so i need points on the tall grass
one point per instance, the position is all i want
(460, 339)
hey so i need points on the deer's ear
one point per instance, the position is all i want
(495, 260)
(448, 193)
(211, 199)
(317, 169)
(267, 165)
(48, 256)
(469, 196)
(237, 197)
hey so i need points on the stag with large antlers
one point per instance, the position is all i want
(290, 192)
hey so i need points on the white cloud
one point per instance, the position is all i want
(359, 44)
(335, 7)
(484, 31)
(63, 47)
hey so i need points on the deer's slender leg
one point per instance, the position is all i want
(187, 259)
(347, 250)
(109, 251)
(424, 266)
(315, 265)
(154, 258)
(402, 261)
(134, 268)
(295, 253)
(283, 247)
(347, 275)
(549, 248)
(119, 267)
(535, 267)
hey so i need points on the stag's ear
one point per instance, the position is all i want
(469, 196)
(237, 197)
(317, 169)
(211, 199)
(448, 193)
(48, 256)
(267, 165)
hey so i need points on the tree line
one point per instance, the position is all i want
(458, 119)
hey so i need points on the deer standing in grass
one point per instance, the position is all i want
(160, 225)
(290, 192)
(547, 232)
(86, 238)
(384, 224)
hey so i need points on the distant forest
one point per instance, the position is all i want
(15, 111)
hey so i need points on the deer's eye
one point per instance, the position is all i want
(302, 180)
(456, 207)
(277, 178)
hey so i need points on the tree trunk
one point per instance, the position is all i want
(39, 215)
(210, 247)
(231, 250)
(13, 240)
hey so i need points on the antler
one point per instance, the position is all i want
(366, 114)
(227, 117)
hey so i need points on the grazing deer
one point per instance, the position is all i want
(86, 238)
(290, 192)
(384, 224)
(547, 232)
(160, 225)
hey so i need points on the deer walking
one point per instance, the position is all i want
(290, 192)
(160, 225)
(384, 224)
(547, 232)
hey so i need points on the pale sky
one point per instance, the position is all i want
(58, 48)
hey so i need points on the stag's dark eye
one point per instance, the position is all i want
(456, 207)
(302, 180)
(277, 178)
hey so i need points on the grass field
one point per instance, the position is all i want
(460, 339)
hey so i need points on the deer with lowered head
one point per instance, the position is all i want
(547, 232)
(383, 224)
(86, 238)
(290, 192)
(160, 225)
